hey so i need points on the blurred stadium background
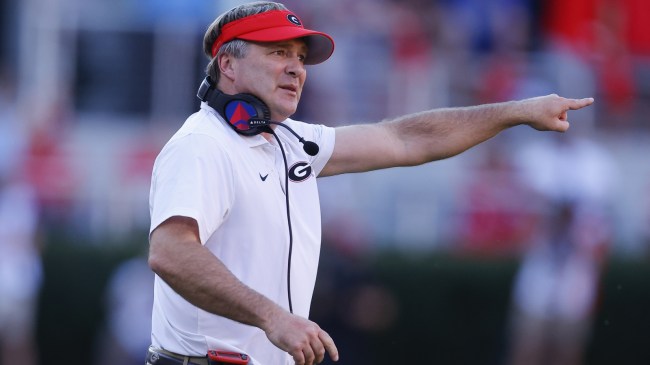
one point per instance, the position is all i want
(470, 260)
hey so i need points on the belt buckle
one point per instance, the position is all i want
(153, 357)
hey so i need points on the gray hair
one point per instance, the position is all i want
(237, 47)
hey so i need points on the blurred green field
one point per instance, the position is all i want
(453, 308)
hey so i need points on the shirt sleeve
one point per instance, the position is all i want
(192, 177)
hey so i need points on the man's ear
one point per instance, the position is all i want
(227, 66)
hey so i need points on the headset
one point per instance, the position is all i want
(249, 116)
(246, 113)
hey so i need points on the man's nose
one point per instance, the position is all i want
(295, 67)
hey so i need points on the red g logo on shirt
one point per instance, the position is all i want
(300, 171)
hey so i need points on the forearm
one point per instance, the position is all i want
(436, 134)
(442, 133)
(203, 280)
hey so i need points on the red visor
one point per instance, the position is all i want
(275, 26)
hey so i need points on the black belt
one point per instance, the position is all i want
(162, 357)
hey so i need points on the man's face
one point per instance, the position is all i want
(274, 72)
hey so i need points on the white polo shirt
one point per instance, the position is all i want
(233, 186)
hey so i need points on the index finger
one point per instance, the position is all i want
(329, 345)
(580, 103)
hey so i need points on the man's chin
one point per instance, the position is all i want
(283, 114)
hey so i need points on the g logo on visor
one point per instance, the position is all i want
(294, 19)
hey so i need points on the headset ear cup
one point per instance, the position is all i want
(261, 111)
(238, 109)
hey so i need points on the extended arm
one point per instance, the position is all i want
(177, 256)
(436, 134)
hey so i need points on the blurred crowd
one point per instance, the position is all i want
(90, 129)
(87, 153)
(82, 119)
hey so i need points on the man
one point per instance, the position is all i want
(235, 221)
